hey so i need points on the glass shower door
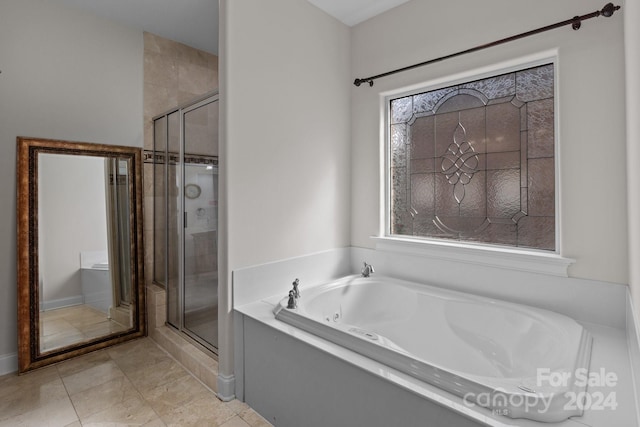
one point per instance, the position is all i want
(186, 217)
(200, 201)
(173, 219)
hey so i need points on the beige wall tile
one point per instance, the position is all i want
(160, 70)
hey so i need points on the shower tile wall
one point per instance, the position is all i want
(174, 73)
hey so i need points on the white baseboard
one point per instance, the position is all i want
(62, 302)
(633, 342)
(226, 388)
(8, 363)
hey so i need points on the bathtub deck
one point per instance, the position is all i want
(610, 352)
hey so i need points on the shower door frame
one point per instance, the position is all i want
(180, 172)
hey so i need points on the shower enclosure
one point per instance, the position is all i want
(186, 217)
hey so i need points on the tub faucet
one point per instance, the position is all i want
(296, 291)
(367, 270)
(294, 294)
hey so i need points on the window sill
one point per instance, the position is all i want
(498, 257)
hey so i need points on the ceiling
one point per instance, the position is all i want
(352, 12)
(192, 22)
(195, 22)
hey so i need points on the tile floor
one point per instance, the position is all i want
(71, 325)
(132, 384)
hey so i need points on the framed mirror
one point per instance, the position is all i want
(80, 249)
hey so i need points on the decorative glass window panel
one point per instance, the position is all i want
(475, 162)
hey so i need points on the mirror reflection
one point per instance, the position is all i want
(83, 248)
(80, 249)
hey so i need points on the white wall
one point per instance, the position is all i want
(285, 76)
(632, 62)
(591, 96)
(65, 75)
(72, 219)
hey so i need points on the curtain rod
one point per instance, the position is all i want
(575, 22)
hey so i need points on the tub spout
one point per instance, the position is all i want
(367, 270)
(292, 303)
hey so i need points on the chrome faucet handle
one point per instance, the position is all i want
(296, 291)
(291, 303)
(367, 270)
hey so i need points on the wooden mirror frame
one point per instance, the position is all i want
(29, 354)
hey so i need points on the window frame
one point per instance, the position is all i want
(495, 255)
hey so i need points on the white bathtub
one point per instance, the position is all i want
(507, 357)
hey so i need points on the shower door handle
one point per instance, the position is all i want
(185, 220)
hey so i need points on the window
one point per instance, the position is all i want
(474, 162)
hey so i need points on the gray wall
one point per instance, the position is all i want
(65, 75)
(281, 372)
(285, 142)
(591, 113)
(72, 218)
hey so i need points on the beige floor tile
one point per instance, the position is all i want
(131, 412)
(29, 397)
(151, 376)
(170, 396)
(59, 413)
(208, 411)
(62, 339)
(104, 396)
(101, 329)
(70, 325)
(54, 326)
(143, 355)
(235, 422)
(134, 350)
(135, 383)
(79, 364)
(237, 406)
(92, 377)
(88, 316)
(254, 419)
(156, 422)
(13, 383)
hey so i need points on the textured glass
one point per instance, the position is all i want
(401, 110)
(460, 102)
(503, 127)
(399, 201)
(503, 193)
(540, 128)
(504, 160)
(541, 186)
(399, 145)
(421, 131)
(426, 102)
(495, 87)
(537, 232)
(535, 83)
(475, 161)
(422, 194)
